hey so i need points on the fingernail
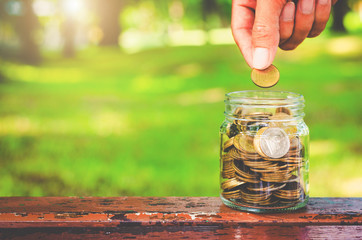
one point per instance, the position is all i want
(288, 12)
(323, 2)
(260, 58)
(307, 6)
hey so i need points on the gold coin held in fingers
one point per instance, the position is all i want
(265, 78)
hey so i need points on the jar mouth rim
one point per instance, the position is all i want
(264, 97)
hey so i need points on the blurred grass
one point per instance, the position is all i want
(109, 124)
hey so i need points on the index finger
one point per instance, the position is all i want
(242, 20)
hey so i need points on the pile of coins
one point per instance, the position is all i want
(262, 160)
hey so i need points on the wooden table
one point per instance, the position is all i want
(172, 217)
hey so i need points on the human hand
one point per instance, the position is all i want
(260, 26)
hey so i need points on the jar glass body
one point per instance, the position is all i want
(264, 152)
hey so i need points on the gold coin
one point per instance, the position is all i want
(260, 187)
(296, 160)
(228, 170)
(283, 110)
(231, 183)
(228, 174)
(276, 176)
(291, 130)
(257, 141)
(235, 153)
(228, 144)
(226, 157)
(255, 197)
(258, 116)
(238, 112)
(265, 78)
(295, 144)
(259, 164)
(242, 170)
(245, 179)
(233, 128)
(280, 116)
(251, 114)
(231, 193)
(244, 143)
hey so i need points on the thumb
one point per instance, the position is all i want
(265, 35)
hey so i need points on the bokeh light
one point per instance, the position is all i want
(72, 7)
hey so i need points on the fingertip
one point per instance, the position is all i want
(288, 12)
(324, 2)
(304, 19)
(265, 32)
(287, 22)
(307, 7)
(288, 46)
(313, 34)
(322, 13)
(261, 58)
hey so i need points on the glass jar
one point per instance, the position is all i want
(264, 163)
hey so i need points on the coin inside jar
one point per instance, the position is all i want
(244, 143)
(274, 142)
(265, 78)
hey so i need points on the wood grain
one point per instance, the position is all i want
(186, 217)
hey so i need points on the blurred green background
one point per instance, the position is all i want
(111, 98)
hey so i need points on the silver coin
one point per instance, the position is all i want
(274, 142)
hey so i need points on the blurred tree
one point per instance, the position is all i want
(68, 31)
(340, 9)
(225, 12)
(21, 16)
(208, 7)
(26, 26)
(69, 14)
(108, 12)
(219, 8)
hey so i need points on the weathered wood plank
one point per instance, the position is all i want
(105, 212)
(287, 232)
